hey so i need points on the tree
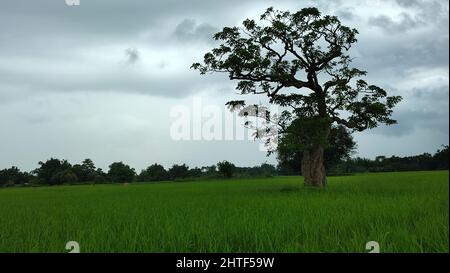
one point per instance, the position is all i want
(154, 172)
(226, 168)
(100, 176)
(50, 168)
(441, 158)
(195, 172)
(89, 170)
(340, 147)
(63, 177)
(209, 170)
(120, 172)
(267, 169)
(13, 176)
(86, 171)
(300, 62)
(178, 171)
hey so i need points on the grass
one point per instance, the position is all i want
(404, 212)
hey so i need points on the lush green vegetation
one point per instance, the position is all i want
(404, 212)
(339, 162)
(58, 172)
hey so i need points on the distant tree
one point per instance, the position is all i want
(425, 161)
(341, 146)
(268, 169)
(154, 172)
(121, 173)
(195, 172)
(78, 171)
(89, 169)
(380, 158)
(178, 171)
(63, 177)
(86, 171)
(100, 176)
(4, 177)
(441, 159)
(50, 168)
(300, 61)
(13, 176)
(226, 168)
(209, 170)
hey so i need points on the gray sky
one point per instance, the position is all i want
(99, 80)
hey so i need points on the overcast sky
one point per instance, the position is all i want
(100, 80)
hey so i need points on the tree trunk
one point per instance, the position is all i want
(313, 169)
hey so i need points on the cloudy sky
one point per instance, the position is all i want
(101, 80)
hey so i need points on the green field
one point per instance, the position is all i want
(404, 212)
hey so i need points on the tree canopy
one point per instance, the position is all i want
(301, 62)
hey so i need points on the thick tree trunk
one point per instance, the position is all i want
(313, 169)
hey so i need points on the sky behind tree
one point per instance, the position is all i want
(100, 80)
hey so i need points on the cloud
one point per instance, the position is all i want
(408, 3)
(436, 96)
(189, 31)
(429, 112)
(405, 23)
(131, 55)
(432, 121)
(346, 14)
(413, 15)
(63, 78)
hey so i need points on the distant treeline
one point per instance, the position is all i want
(423, 162)
(426, 161)
(56, 172)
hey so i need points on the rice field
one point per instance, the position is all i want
(403, 212)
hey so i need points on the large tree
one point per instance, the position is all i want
(300, 61)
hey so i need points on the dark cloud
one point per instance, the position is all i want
(400, 54)
(437, 97)
(346, 14)
(100, 19)
(405, 23)
(121, 81)
(430, 111)
(189, 31)
(131, 55)
(62, 72)
(432, 121)
(416, 15)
